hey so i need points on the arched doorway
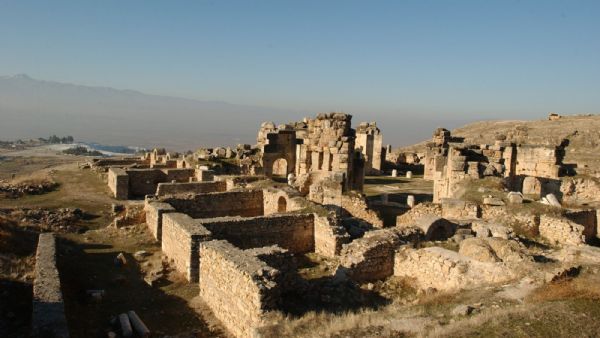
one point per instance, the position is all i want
(281, 204)
(280, 167)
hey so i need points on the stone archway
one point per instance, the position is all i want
(280, 167)
(281, 204)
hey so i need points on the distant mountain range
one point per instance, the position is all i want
(31, 108)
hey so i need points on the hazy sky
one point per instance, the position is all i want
(475, 59)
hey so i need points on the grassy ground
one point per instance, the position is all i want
(86, 260)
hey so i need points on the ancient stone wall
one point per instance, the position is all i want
(539, 161)
(580, 189)
(179, 174)
(154, 217)
(561, 231)
(48, 318)
(443, 270)
(118, 183)
(459, 209)
(181, 237)
(219, 204)
(325, 143)
(233, 182)
(292, 232)
(279, 201)
(587, 218)
(369, 141)
(329, 237)
(419, 210)
(280, 145)
(144, 181)
(238, 287)
(165, 189)
(356, 205)
(371, 257)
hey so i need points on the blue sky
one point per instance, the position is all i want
(451, 59)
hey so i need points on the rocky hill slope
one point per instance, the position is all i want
(581, 131)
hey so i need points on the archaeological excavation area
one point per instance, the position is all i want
(319, 229)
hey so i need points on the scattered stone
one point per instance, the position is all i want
(120, 260)
(126, 330)
(553, 201)
(493, 201)
(140, 328)
(462, 310)
(515, 197)
(410, 200)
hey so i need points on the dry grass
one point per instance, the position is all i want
(394, 320)
(587, 287)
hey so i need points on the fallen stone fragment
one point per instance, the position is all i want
(138, 325)
(120, 260)
(553, 200)
(515, 197)
(493, 201)
(126, 330)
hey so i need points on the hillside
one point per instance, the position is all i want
(33, 108)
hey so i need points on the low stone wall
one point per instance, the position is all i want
(144, 181)
(292, 232)
(279, 201)
(178, 174)
(587, 218)
(419, 210)
(459, 209)
(445, 270)
(165, 189)
(238, 181)
(358, 208)
(238, 287)
(371, 257)
(118, 183)
(154, 217)
(329, 237)
(220, 204)
(181, 237)
(561, 231)
(48, 318)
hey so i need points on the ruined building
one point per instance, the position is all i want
(450, 161)
(369, 141)
(313, 150)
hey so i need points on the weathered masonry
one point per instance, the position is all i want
(48, 318)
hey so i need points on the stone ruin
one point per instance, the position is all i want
(240, 238)
(449, 161)
(324, 156)
(370, 142)
(313, 150)
(48, 318)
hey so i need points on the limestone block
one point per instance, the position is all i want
(494, 201)
(551, 198)
(515, 197)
